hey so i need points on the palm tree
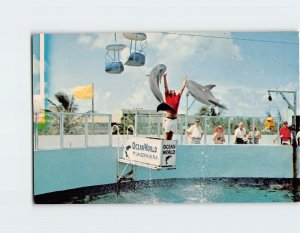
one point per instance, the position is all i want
(66, 104)
(72, 124)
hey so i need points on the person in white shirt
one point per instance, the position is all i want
(195, 132)
(240, 134)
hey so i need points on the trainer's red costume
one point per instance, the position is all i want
(173, 101)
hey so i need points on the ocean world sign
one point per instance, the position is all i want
(150, 151)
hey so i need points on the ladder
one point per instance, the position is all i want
(125, 172)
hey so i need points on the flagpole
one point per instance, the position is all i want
(93, 109)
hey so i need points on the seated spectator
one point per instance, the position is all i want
(218, 136)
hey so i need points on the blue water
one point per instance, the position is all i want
(190, 191)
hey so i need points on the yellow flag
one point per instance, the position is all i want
(84, 92)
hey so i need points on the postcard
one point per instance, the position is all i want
(165, 117)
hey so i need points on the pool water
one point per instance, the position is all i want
(194, 191)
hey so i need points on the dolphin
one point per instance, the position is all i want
(154, 81)
(167, 158)
(203, 94)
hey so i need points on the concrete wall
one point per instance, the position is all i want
(56, 170)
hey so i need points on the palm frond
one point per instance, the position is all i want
(55, 105)
(63, 98)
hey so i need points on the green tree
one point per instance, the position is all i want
(125, 122)
(208, 111)
(65, 103)
(72, 124)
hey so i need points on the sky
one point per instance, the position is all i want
(242, 65)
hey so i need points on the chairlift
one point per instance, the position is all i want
(113, 65)
(137, 54)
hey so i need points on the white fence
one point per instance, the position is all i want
(66, 130)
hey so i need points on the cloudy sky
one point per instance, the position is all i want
(243, 66)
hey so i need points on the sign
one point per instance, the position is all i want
(150, 152)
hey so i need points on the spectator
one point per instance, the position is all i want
(240, 134)
(218, 136)
(195, 132)
(285, 134)
(254, 135)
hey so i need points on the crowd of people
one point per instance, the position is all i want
(195, 134)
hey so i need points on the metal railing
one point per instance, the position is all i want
(75, 130)
(152, 125)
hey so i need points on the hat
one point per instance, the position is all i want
(219, 126)
(197, 120)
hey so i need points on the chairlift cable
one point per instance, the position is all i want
(232, 38)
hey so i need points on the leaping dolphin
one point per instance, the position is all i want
(203, 93)
(154, 81)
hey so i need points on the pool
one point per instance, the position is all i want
(198, 191)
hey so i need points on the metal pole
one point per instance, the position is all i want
(186, 115)
(205, 121)
(135, 123)
(61, 131)
(93, 109)
(36, 135)
(181, 131)
(229, 130)
(187, 110)
(295, 108)
(277, 136)
(295, 157)
(295, 147)
(253, 131)
(149, 123)
(86, 134)
(109, 130)
(158, 125)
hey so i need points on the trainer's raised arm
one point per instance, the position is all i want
(183, 85)
(166, 83)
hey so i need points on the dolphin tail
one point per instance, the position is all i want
(164, 107)
(217, 104)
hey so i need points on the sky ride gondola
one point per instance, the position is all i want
(113, 65)
(138, 43)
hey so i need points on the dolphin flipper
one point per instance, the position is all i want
(209, 87)
(164, 107)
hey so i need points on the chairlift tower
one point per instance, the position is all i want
(293, 106)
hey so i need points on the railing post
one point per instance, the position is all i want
(136, 123)
(205, 121)
(277, 134)
(109, 130)
(36, 135)
(181, 130)
(253, 131)
(86, 133)
(158, 125)
(229, 130)
(149, 123)
(61, 131)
